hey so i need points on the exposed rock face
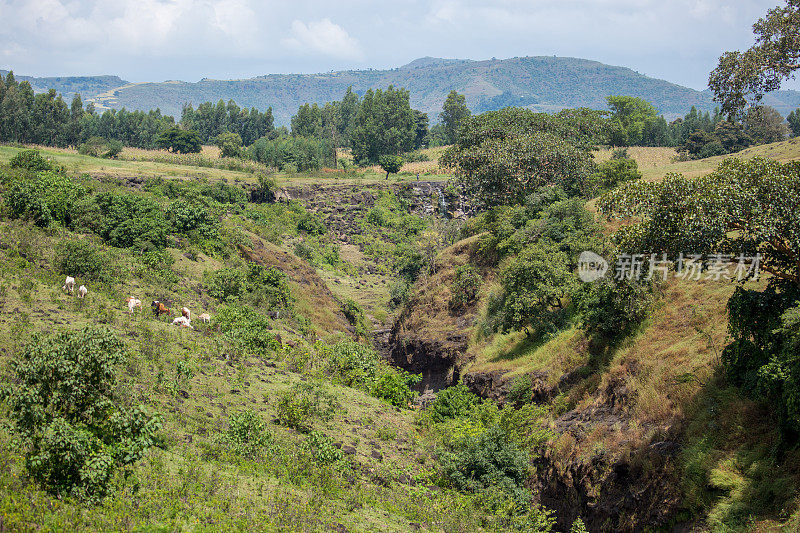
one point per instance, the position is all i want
(436, 359)
(630, 488)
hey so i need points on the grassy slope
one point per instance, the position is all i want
(158, 163)
(190, 483)
(670, 366)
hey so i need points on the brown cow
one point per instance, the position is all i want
(160, 309)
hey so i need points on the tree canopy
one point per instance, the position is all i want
(742, 78)
(454, 112)
(503, 156)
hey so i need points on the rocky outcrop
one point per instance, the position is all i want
(437, 360)
(630, 486)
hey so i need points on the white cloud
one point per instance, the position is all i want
(323, 37)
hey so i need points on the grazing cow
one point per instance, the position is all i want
(185, 312)
(183, 322)
(205, 318)
(133, 303)
(160, 309)
(69, 285)
(82, 291)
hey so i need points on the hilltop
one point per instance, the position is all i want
(543, 83)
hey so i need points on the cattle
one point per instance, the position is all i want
(183, 322)
(69, 285)
(205, 318)
(160, 309)
(133, 303)
(185, 312)
(82, 291)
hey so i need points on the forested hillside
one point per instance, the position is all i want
(545, 83)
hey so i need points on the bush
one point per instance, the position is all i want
(303, 402)
(193, 218)
(247, 435)
(488, 460)
(322, 449)
(92, 147)
(399, 292)
(394, 387)
(609, 174)
(466, 283)
(250, 331)
(45, 198)
(227, 284)
(65, 406)
(132, 221)
(352, 364)
(268, 286)
(113, 149)
(84, 259)
(355, 316)
(311, 225)
(453, 402)
(30, 160)
(611, 309)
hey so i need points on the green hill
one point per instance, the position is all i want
(67, 86)
(543, 83)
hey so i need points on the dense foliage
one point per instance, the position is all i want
(503, 156)
(65, 405)
(741, 209)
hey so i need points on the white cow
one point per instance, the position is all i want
(69, 285)
(205, 318)
(185, 312)
(133, 303)
(82, 291)
(183, 322)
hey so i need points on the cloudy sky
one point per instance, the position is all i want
(155, 40)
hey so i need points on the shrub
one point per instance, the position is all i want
(311, 225)
(466, 283)
(321, 448)
(113, 149)
(453, 402)
(352, 364)
(227, 284)
(268, 286)
(609, 174)
(45, 198)
(487, 460)
(303, 402)
(394, 386)
(92, 147)
(66, 408)
(84, 259)
(610, 309)
(224, 193)
(193, 218)
(132, 221)
(30, 160)
(246, 435)
(248, 330)
(399, 292)
(355, 316)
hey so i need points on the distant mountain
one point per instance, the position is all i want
(545, 83)
(67, 86)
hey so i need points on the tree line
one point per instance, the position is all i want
(635, 122)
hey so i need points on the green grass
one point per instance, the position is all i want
(97, 167)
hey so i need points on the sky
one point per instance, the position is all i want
(156, 40)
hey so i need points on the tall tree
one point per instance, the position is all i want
(454, 112)
(629, 117)
(385, 124)
(764, 124)
(742, 78)
(794, 122)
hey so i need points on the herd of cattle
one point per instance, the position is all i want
(184, 321)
